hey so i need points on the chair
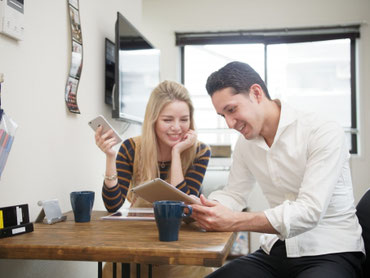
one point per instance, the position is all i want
(363, 214)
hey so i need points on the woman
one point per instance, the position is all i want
(168, 148)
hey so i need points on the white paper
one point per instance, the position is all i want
(131, 214)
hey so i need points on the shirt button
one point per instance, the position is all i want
(290, 197)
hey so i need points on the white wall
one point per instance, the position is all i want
(54, 151)
(162, 18)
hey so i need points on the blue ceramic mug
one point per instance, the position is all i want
(82, 203)
(168, 216)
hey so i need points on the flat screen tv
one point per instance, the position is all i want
(136, 72)
(110, 64)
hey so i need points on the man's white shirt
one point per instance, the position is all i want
(306, 179)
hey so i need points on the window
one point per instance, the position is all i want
(313, 69)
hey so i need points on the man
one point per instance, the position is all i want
(301, 163)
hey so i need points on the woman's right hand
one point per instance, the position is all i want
(105, 141)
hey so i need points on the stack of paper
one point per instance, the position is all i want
(132, 214)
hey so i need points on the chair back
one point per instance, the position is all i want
(363, 214)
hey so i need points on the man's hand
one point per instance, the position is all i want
(212, 216)
(195, 197)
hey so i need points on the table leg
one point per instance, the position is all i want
(149, 271)
(114, 270)
(100, 270)
(125, 270)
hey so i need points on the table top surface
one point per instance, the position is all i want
(117, 241)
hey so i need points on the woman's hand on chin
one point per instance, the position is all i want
(189, 139)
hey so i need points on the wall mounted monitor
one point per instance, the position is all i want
(136, 72)
(110, 64)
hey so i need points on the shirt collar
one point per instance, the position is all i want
(288, 115)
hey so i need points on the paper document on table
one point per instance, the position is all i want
(132, 214)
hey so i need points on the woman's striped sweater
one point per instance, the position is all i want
(114, 197)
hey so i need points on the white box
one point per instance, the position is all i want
(12, 18)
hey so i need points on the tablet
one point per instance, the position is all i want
(158, 190)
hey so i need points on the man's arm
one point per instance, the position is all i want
(240, 183)
(212, 216)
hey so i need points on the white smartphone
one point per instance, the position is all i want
(101, 121)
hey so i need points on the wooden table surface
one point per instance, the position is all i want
(117, 241)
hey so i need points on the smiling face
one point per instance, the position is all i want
(173, 123)
(241, 111)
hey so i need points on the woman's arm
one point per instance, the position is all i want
(193, 179)
(114, 193)
(105, 142)
(176, 167)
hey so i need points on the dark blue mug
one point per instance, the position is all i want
(82, 203)
(168, 216)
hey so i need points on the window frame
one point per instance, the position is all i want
(283, 36)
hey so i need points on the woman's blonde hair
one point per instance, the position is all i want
(146, 154)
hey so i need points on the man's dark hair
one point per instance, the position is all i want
(237, 75)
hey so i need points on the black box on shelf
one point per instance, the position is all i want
(15, 220)
(16, 230)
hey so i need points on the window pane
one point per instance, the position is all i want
(313, 76)
(221, 137)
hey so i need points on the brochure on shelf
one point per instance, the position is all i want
(7, 133)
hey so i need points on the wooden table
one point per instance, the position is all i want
(117, 241)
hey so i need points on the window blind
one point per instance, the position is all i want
(269, 36)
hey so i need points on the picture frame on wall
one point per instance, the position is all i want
(76, 60)
(71, 88)
(75, 24)
(73, 3)
(71, 95)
